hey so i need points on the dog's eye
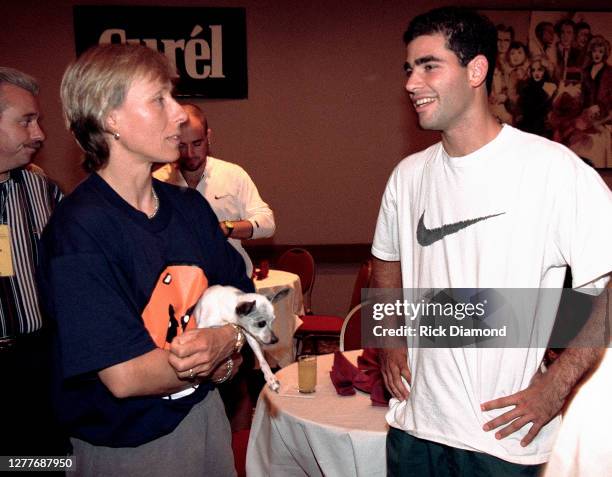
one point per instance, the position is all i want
(261, 324)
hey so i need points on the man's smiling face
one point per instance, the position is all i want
(437, 83)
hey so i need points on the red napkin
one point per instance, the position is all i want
(342, 374)
(263, 270)
(369, 379)
(369, 369)
(379, 395)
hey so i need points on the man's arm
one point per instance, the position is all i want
(242, 229)
(393, 361)
(547, 393)
(256, 217)
(254, 210)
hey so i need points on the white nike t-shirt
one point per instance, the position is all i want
(512, 214)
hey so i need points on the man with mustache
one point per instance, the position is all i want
(27, 199)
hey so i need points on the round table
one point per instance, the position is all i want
(319, 434)
(286, 311)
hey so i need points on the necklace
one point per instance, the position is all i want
(155, 204)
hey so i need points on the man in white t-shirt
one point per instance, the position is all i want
(230, 191)
(487, 207)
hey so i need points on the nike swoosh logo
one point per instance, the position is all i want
(427, 236)
(217, 197)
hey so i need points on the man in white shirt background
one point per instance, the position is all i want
(230, 191)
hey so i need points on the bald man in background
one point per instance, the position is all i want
(228, 188)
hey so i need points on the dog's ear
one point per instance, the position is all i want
(283, 292)
(244, 308)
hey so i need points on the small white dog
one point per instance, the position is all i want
(254, 313)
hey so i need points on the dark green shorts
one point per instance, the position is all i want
(411, 456)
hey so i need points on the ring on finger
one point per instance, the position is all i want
(191, 375)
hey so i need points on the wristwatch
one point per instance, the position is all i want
(229, 225)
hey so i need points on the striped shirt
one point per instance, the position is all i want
(27, 199)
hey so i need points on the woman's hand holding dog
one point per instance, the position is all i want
(201, 352)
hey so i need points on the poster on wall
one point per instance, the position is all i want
(207, 45)
(553, 78)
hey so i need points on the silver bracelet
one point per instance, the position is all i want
(229, 367)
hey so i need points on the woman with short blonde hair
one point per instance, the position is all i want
(124, 260)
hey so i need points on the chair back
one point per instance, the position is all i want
(300, 261)
(364, 276)
(350, 335)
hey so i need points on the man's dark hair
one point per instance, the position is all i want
(539, 30)
(467, 34)
(582, 26)
(561, 23)
(506, 29)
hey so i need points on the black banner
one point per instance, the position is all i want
(207, 45)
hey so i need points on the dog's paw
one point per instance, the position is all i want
(274, 386)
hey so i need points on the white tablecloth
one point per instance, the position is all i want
(326, 435)
(286, 311)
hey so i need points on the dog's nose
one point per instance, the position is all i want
(274, 339)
